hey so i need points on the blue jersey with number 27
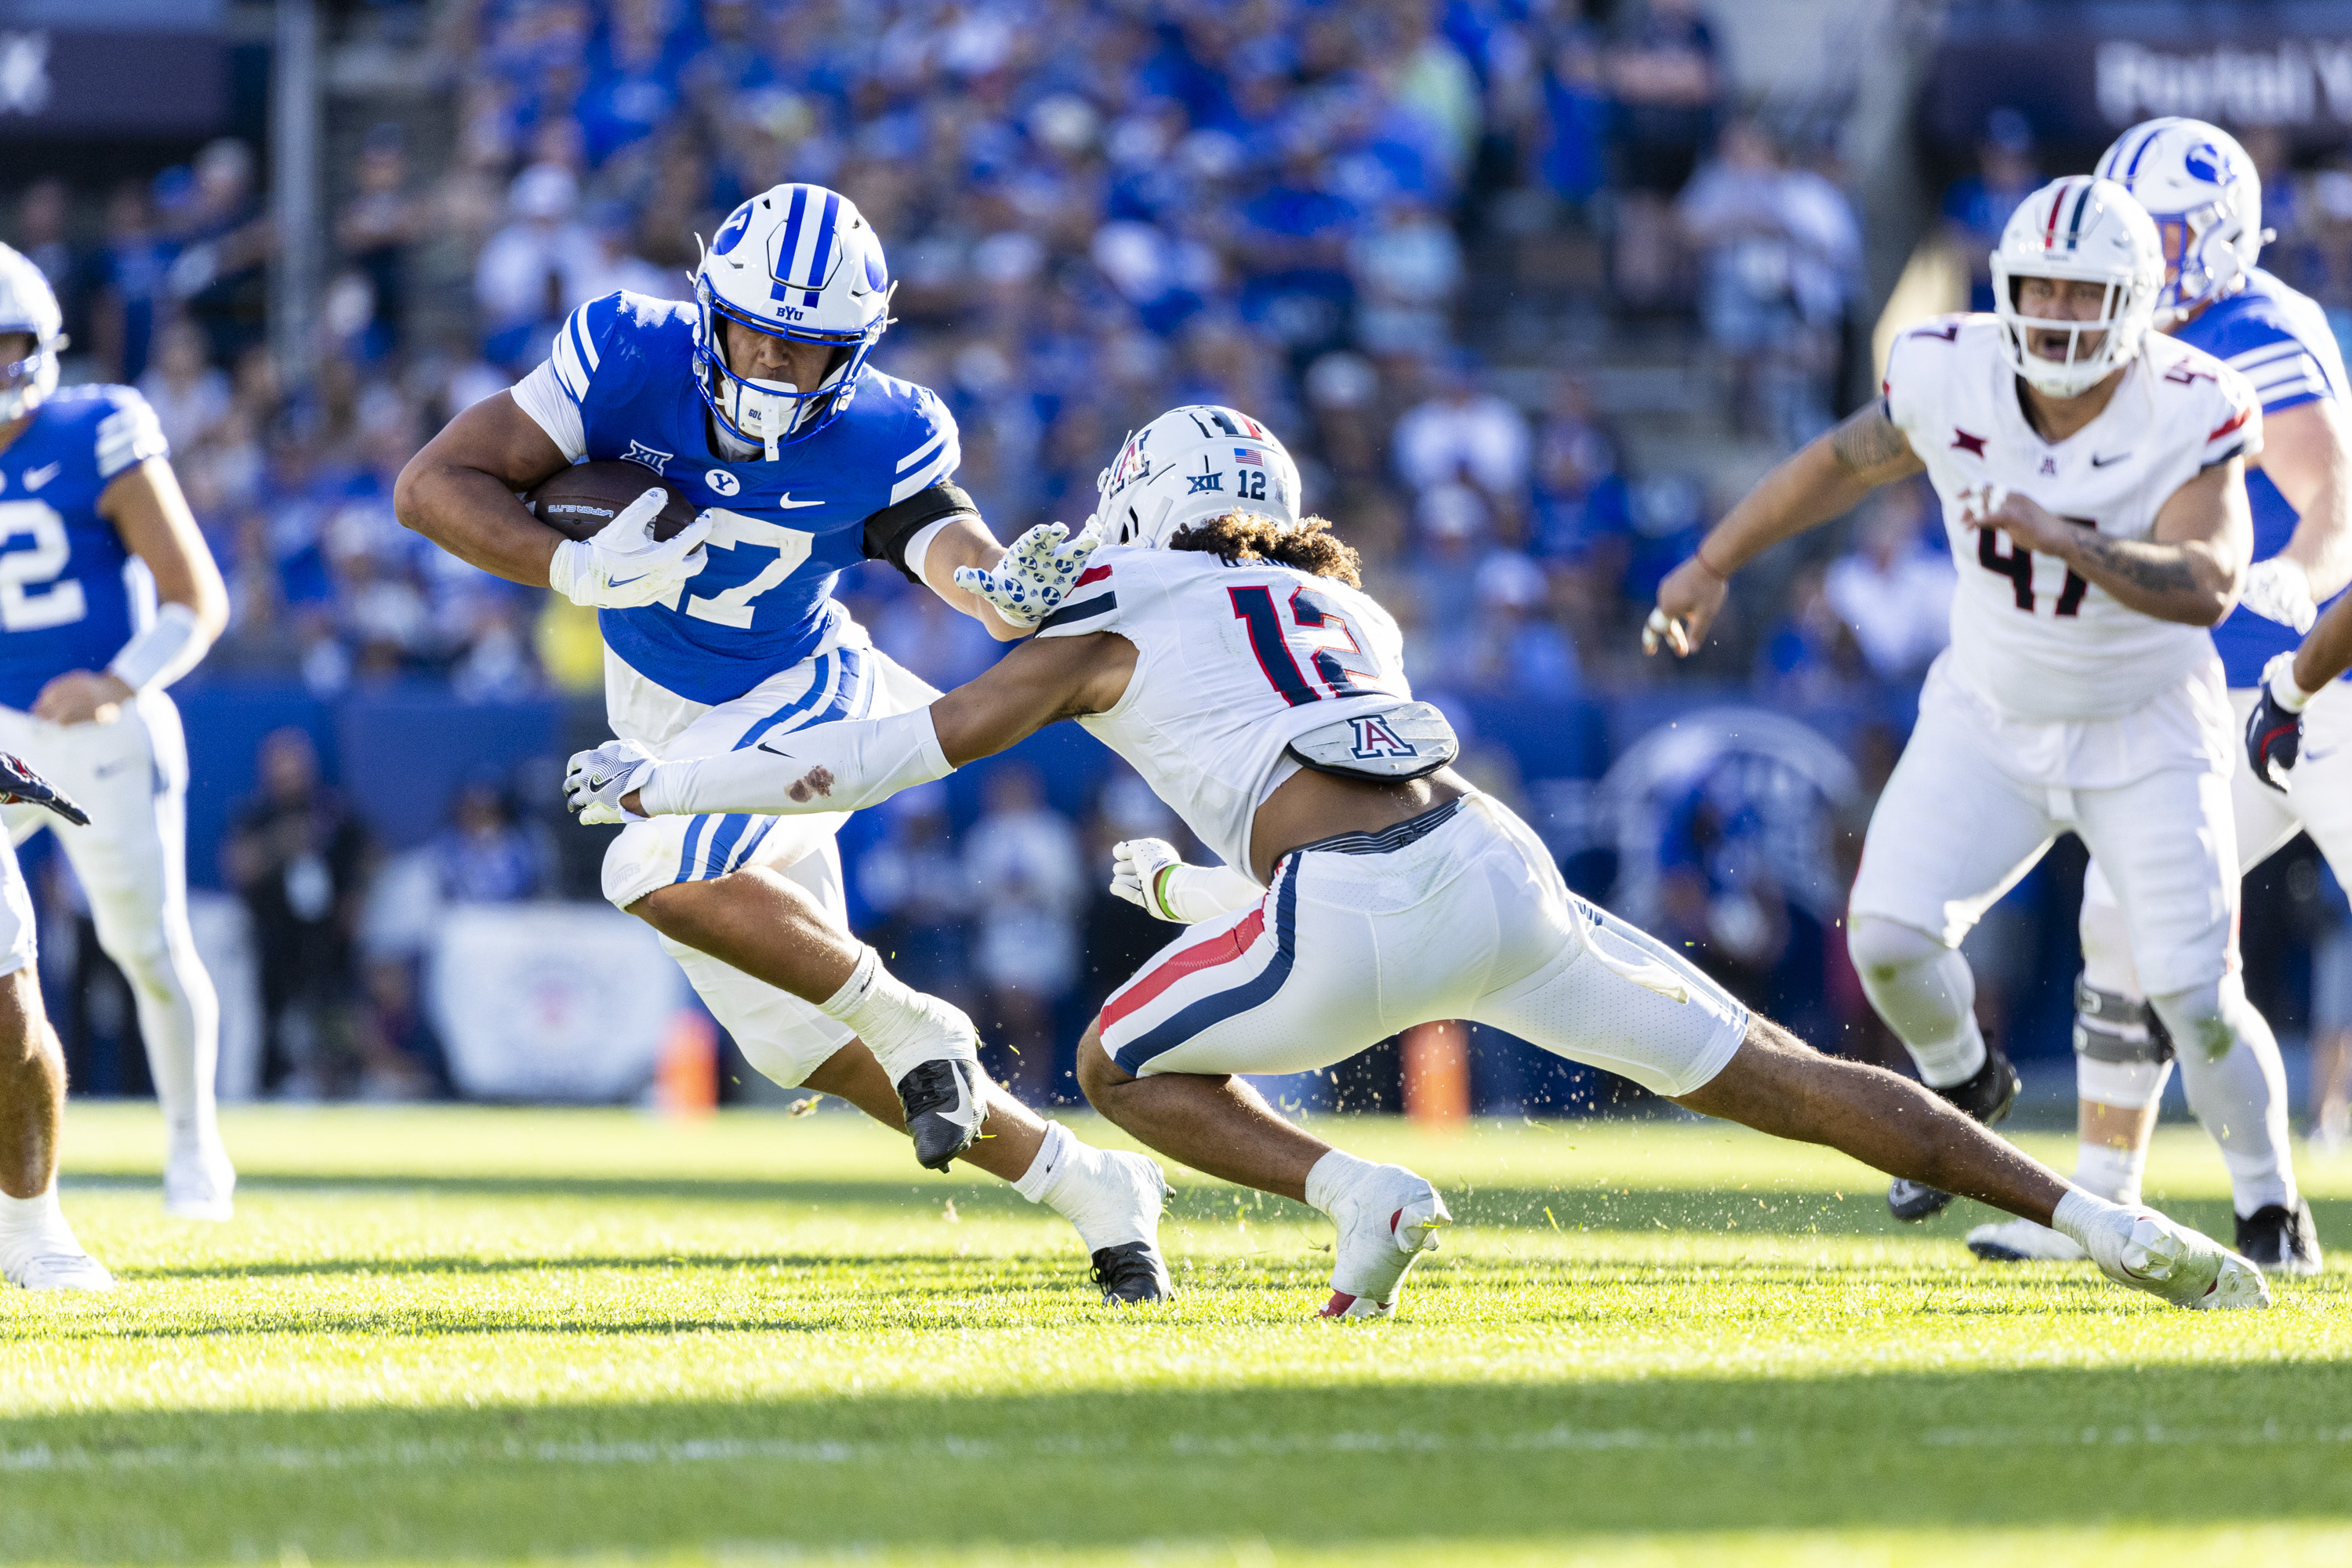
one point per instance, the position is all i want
(2280, 341)
(785, 528)
(68, 599)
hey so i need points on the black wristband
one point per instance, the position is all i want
(888, 532)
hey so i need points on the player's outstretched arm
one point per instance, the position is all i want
(1825, 478)
(2327, 653)
(2307, 453)
(2188, 569)
(460, 491)
(848, 766)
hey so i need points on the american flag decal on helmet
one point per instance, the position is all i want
(1243, 455)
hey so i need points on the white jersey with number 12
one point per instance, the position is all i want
(1232, 663)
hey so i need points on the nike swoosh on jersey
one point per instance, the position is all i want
(785, 503)
(36, 478)
(2099, 463)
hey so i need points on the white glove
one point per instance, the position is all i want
(1134, 868)
(623, 568)
(2278, 590)
(595, 782)
(1147, 873)
(1032, 578)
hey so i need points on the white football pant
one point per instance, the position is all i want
(132, 776)
(1458, 913)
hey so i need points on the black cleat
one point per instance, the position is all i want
(943, 1108)
(1132, 1272)
(1987, 1096)
(2280, 1240)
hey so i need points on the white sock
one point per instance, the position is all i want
(896, 1023)
(2111, 1173)
(1334, 1173)
(1059, 1152)
(24, 1217)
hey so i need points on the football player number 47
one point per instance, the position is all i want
(31, 598)
(732, 531)
(2017, 565)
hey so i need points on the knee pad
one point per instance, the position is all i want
(2206, 1021)
(1882, 949)
(2123, 1053)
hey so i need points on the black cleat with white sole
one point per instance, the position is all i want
(2280, 1240)
(1132, 1272)
(1987, 1096)
(943, 1108)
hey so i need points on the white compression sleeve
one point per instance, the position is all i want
(825, 767)
(1197, 893)
(166, 650)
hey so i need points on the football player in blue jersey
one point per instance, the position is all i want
(2206, 197)
(108, 595)
(758, 400)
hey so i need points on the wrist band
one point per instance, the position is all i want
(1699, 555)
(166, 650)
(2283, 688)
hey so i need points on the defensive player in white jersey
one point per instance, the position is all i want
(38, 1247)
(2091, 473)
(108, 595)
(758, 402)
(1229, 656)
(2206, 198)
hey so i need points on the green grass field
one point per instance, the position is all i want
(498, 1336)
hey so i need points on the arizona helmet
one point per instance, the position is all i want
(2078, 229)
(27, 304)
(798, 262)
(1188, 466)
(2206, 197)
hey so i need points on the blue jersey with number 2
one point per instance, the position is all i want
(786, 528)
(67, 593)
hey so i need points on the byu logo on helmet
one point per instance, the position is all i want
(2206, 199)
(796, 262)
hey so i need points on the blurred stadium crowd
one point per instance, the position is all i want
(1094, 209)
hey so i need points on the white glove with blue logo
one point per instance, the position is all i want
(597, 781)
(1031, 580)
(623, 568)
(2278, 590)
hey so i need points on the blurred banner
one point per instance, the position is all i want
(2083, 72)
(551, 1002)
(111, 68)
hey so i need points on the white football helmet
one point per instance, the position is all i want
(1188, 466)
(798, 262)
(2080, 228)
(27, 304)
(2206, 197)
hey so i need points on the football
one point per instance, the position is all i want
(578, 503)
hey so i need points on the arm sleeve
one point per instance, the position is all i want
(824, 767)
(128, 434)
(891, 530)
(556, 393)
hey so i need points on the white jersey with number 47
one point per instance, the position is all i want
(1232, 663)
(2030, 636)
